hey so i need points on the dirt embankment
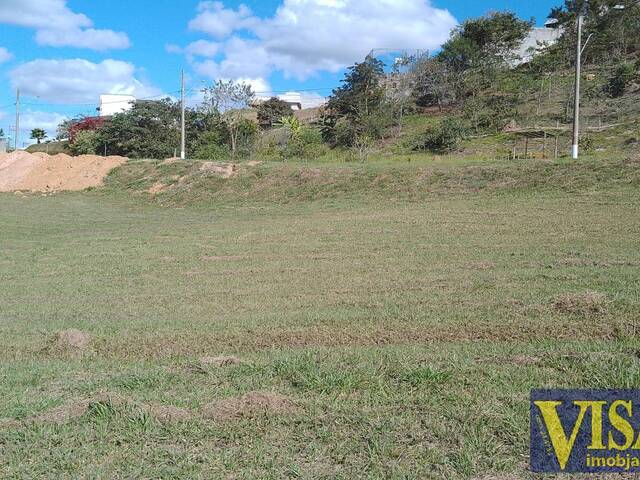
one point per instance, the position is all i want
(39, 172)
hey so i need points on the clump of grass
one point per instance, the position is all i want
(584, 304)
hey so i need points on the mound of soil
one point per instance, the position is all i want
(70, 341)
(583, 304)
(250, 405)
(224, 170)
(169, 413)
(220, 361)
(39, 172)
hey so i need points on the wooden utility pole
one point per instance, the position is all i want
(17, 119)
(183, 149)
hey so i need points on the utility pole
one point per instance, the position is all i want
(576, 108)
(183, 150)
(17, 139)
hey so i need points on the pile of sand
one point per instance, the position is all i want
(39, 172)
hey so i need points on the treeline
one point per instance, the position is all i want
(474, 84)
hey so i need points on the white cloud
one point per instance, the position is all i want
(308, 36)
(258, 85)
(89, 38)
(219, 22)
(78, 80)
(5, 55)
(56, 25)
(48, 121)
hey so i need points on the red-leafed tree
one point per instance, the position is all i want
(86, 124)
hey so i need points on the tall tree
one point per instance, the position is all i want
(272, 111)
(434, 82)
(485, 42)
(229, 99)
(355, 108)
(38, 134)
(614, 27)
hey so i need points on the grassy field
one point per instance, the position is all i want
(387, 324)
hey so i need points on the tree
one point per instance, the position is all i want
(148, 130)
(355, 108)
(38, 134)
(2, 135)
(486, 42)
(86, 143)
(434, 82)
(614, 31)
(62, 132)
(271, 111)
(229, 100)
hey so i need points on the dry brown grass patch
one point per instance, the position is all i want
(71, 342)
(480, 265)
(250, 405)
(222, 361)
(584, 304)
(168, 413)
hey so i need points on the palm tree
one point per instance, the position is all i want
(38, 134)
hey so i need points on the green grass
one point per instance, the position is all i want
(406, 320)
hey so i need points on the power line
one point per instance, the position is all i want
(69, 105)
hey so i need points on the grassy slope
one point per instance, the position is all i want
(52, 148)
(407, 326)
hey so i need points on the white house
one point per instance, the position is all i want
(537, 40)
(111, 104)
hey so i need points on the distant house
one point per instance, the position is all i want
(537, 40)
(111, 104)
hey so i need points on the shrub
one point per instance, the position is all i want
(306, 143)
(86, 142)
(212, 145)
(247, 136)
(446, 137)
(622, 76)
(271, 111)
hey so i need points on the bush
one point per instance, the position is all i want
(446, 137)
(271, 111)
(212, 145)
(587, 144)
(620, 79)
(306, 143)
(86, 142)
(247, 136)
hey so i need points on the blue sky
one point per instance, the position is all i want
(64, 53)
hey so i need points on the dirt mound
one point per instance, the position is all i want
(169, 413)
(39, 172)
(250, 405)
(220, 361)
(584, 304)
(224, 170)
(69, 341)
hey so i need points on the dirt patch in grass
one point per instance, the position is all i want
(585, 262)
(156, 188)
(71, 342)
(224, 170)
(6, 423)
(77, 408)
(168, 413)
(219, 361)
(583, 304)
(220, 258)
(480, 265)
(250, 405)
